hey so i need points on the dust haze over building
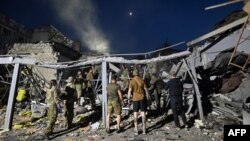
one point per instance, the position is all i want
(81, 16)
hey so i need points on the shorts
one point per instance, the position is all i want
(140, 105)
(114, 106)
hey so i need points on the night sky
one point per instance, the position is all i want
(123, 26)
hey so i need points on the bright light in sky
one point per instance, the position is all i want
(130, 13)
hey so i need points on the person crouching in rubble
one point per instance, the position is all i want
(114, 104)
(69, 102)
(138, 86)
(51, 100)
(175, 87)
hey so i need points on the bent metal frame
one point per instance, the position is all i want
(18, 61)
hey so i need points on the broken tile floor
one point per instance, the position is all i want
(89, 129)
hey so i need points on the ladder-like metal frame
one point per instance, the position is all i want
(237, 45)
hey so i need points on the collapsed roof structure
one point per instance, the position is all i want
(209, 57)
(18, 61)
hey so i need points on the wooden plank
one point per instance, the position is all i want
(238, 43)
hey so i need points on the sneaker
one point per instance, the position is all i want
(144, 132)
(108, 131)
(118, 130)
(136, 133)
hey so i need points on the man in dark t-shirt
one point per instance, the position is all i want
(175, 87)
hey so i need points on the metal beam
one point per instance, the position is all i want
(197, 91)
(217, 31)
(114, 68)
(104, 92)
(17, 59)
(12, 96)
(222, 4)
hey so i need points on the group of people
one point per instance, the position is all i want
(70, 94)
(139, 93)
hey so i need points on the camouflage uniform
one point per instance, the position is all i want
(154, 90)
(125, 75)
(90, 90)
(51, 100)
(113, 99)
(79, 88)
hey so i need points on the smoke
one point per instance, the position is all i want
(80, 15)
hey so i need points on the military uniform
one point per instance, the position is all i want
(125, 74)
(90, 91)
(79, 83)
(51, 100)
(154, 90)
(113, 99)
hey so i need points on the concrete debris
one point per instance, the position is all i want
(198, 123)
(95, 126)
(240, 94)
(38, 109)
(80, 110)
(85, 129)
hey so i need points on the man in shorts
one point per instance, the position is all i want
(114, 103)
(138, 86)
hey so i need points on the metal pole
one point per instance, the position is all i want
(12, 96)
(196, 87)
(104, 92)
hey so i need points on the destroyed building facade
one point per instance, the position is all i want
(52, 52)
(11, 32)
(220, 62)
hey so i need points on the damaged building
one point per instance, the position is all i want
(221, 62)
(52, 52)
(214, 69)
(12, 32)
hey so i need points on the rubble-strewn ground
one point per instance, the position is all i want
(159, 129)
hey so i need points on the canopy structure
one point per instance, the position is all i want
(17, 61)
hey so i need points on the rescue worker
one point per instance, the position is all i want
(115, 100)
(79, 83)
(175, 87)
(138, 86)
(69, 102)
(90, 91)
(125, 77)
(147, 77)
(51, 101)
(153, 90)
